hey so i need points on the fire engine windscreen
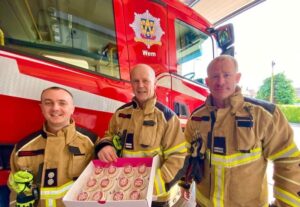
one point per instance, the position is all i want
(194, 51)
(81, 33)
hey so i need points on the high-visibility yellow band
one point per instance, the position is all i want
(201, 199)
(229, 161)
(50, 203)
(219, 179)
(55, 192)
(149, 153)
(290, 151)
(286, 197)
(178, 148)
(159, 183)
(1, 38)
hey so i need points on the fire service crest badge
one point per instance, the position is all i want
(147, 29)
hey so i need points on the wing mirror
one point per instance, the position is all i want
(225, 38)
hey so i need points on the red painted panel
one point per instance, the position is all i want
(4, 177)
(139, 49)
(19, 109)
(22, 116)
(25, 115)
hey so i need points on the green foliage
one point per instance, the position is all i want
(291, 112)
(284, 92)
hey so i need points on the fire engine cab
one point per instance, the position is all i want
(89, 48)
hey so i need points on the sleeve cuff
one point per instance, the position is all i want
(101, 145)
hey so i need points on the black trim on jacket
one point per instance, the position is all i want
(168, 113)
(266, 105)
(125, 105)
(101, 145)
(198, 108)
(30, 137)
(93, 137)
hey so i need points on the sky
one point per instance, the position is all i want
(268, 32)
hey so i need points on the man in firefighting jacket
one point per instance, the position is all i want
(147, 128)
(236, 137)
(45, 164)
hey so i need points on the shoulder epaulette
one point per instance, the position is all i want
(201, 106)
(93, 137)
(125, 105)
(266, 105)
(168, 113)
(29, 138)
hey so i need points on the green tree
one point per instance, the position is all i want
(284, 92)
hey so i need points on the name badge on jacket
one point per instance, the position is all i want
(129, 141)
(219, 145)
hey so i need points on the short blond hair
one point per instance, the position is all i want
(222, 58)
(56, 88)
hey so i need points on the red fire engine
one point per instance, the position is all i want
(89, 47)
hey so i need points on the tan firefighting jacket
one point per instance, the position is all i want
(62, 157)
(244, 136)
(154, 130)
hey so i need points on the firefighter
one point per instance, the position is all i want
(45, 164)
(145, 128)
(236, 137)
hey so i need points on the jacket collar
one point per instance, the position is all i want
(149, 106)
(235, 101)
(67, 132)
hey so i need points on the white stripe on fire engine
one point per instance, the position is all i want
(181, 88)
(164, 80)
(13, 83)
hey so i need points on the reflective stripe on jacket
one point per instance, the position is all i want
(245, 135)
(62, 157)
(154, 130)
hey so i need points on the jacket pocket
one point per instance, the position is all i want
(148, 133)
(78, 161)
(245, 135)
(77, 165)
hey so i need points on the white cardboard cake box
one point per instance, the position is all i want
(70, 199)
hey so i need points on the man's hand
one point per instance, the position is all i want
(107, 154)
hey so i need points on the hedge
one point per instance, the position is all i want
(292, 112)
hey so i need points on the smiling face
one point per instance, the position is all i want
(143, 83)
(57, 107)
(222, 78)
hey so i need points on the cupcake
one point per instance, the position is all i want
(128, 170)
(98, 195)
(112, 171)
(82, 196)
(118, 196)
(91, 184)
(124, 183)
(98, 170)
(139, 183)
(105, 183)
(142, 170)
(134, 195)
